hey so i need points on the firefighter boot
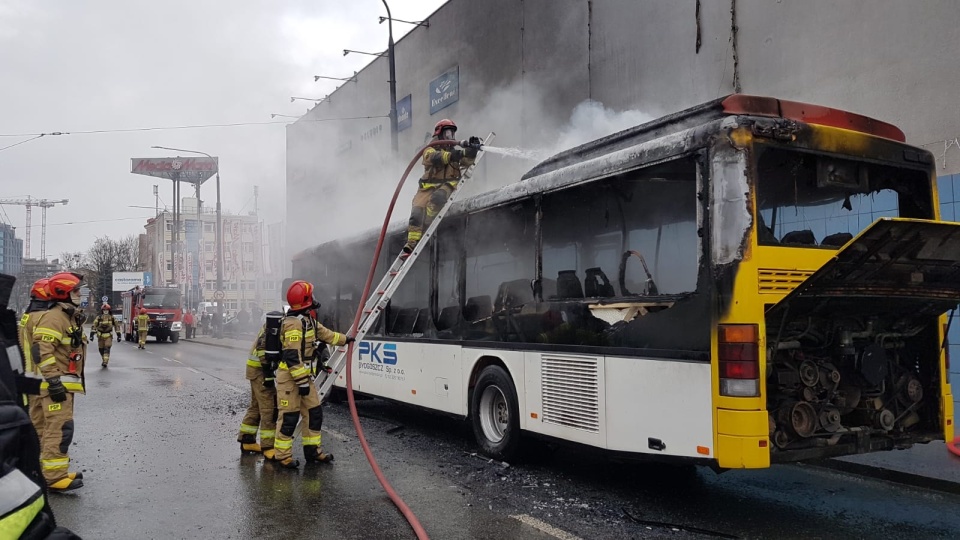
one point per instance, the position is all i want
(289, 463)
(75, 475)
(269, 453)
(65, 484)
(313, 454)
(248, 444)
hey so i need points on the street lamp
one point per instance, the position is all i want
(391, 57)
(218, 321)
(318, 100)
(318, 77)
(274, 115)
(415, 23)
(348, 51)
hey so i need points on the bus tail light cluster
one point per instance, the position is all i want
(738, 352)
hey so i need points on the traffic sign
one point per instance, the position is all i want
(83, 304)
(104, 298)
(218, 295)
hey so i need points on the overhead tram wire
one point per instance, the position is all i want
(94, 221)
(166, 128)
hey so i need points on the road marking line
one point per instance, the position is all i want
(193, 370)
(177, 361)
(544, 527)
(167, 359)
(232, 387)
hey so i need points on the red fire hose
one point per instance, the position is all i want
(402, 506)
(954, 447)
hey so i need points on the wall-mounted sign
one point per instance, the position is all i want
(445, 90)
(405, 113)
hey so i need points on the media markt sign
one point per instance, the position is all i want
(405, 113)
(193, 170)
(445, 90)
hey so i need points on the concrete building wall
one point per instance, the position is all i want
(11, 251)
(525, 65)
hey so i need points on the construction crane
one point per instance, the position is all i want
(30, 202)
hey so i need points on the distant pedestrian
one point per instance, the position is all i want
(243, 318)
(189, 321)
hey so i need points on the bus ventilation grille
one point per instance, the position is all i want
(571, 391)
(780, 281)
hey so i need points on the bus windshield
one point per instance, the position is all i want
(809, 200)
(168, 299)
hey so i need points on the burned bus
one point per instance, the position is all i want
(746, 282)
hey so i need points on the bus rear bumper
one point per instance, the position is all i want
(742, 440)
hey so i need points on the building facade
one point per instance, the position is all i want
(11, 251)
(193, 268)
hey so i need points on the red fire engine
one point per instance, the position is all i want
(163, 308)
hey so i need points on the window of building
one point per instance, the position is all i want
(248, 266)
(208, 227)
(248, 247)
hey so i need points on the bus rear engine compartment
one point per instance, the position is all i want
(861, 380)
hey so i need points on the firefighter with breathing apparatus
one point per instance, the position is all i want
(143, 326)
(103, 327)
(443, 166)
(58, 351)
(261, 367)
(300, 335)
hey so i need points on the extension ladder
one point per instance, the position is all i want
(380, 296)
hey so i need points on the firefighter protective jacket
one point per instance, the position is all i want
(59, 347)
(105, 324)
(28, 323)
(439, 167)
(143, 323)
(298, 335)
(255, 362)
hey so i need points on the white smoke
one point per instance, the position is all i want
(590, 120)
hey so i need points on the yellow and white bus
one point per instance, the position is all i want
(746, 282)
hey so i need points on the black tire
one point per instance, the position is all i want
(128, 337)
(175, 337)
(495, 414)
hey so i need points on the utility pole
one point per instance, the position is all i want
(393, 82)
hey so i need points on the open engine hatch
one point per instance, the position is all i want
(905, 270)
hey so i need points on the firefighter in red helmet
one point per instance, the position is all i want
(300, 334)
(40, 302)
(443, 166)
(58, 351)
(103, 327)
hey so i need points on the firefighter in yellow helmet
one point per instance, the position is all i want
(443, 166)
(262, 413)
(104, 325)
(296, 394)
(58, 353)
(143, 326)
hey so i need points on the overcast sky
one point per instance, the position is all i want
(101, 65)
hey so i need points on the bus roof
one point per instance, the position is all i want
(733, 104)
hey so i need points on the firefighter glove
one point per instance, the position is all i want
(351, 339)
(91, 334)
(304, 389)
(269, 382)
(56, 389)
(456, 155)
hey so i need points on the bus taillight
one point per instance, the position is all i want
(739, 360)
(946, 348)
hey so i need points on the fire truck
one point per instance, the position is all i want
(163, 308)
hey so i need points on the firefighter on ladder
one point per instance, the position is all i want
(143, 325)
(262, 413)
(103, 326)
(296, 394)
(58, 351)
(443, 166)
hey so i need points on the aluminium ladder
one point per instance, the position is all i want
(380, 296)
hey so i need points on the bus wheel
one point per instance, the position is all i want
(495, 414)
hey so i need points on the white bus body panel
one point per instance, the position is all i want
(616, 403)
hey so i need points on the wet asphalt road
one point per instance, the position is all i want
(156, 441)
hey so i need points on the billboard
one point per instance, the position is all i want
(445, 90)
(124, 281)
(194, 170)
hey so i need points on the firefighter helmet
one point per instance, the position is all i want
(300, 295)
(143, 311)
(61, 285)
(445, 123)
(39, 289)
(105, 307)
